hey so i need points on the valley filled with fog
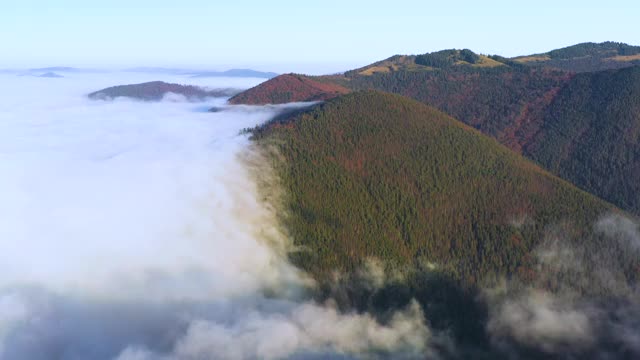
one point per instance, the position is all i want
(137, 230)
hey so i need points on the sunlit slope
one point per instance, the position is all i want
(581, 127)
(374, 175)
(444, 59)
(496, 95)
(586, 57)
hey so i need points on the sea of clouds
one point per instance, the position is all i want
(135, 231)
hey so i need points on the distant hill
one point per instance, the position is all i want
(50, 75)
(371, 176)
(289, 88)
(444, 59)
(586, 57)
(156, 90)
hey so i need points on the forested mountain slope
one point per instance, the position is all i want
(591, 135)
(446, 211)
(590, 117)
(373, 174)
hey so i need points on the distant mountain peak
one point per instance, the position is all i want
(50, 75)
(156, 90)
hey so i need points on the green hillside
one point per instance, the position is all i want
(439, 60)
(378, 176)
(585, 57)
(504, 102)
(591, 135)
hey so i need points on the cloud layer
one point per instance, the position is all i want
(133, 230)
(584, 303)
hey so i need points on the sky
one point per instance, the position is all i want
(302, 36)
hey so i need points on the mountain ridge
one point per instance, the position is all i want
(514, 103)
(586, 57)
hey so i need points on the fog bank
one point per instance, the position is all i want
(133, 230)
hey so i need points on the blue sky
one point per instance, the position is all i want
(319, 36)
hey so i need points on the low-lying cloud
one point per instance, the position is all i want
(136, 230)
(540, 319)
(584, 303)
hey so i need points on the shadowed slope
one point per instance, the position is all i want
(591, 136)
(533, 110)
(375, 178)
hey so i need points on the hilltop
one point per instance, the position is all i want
(50, 75)
(586, 57)
(156, 90)
(289, 88)
(444, 59)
